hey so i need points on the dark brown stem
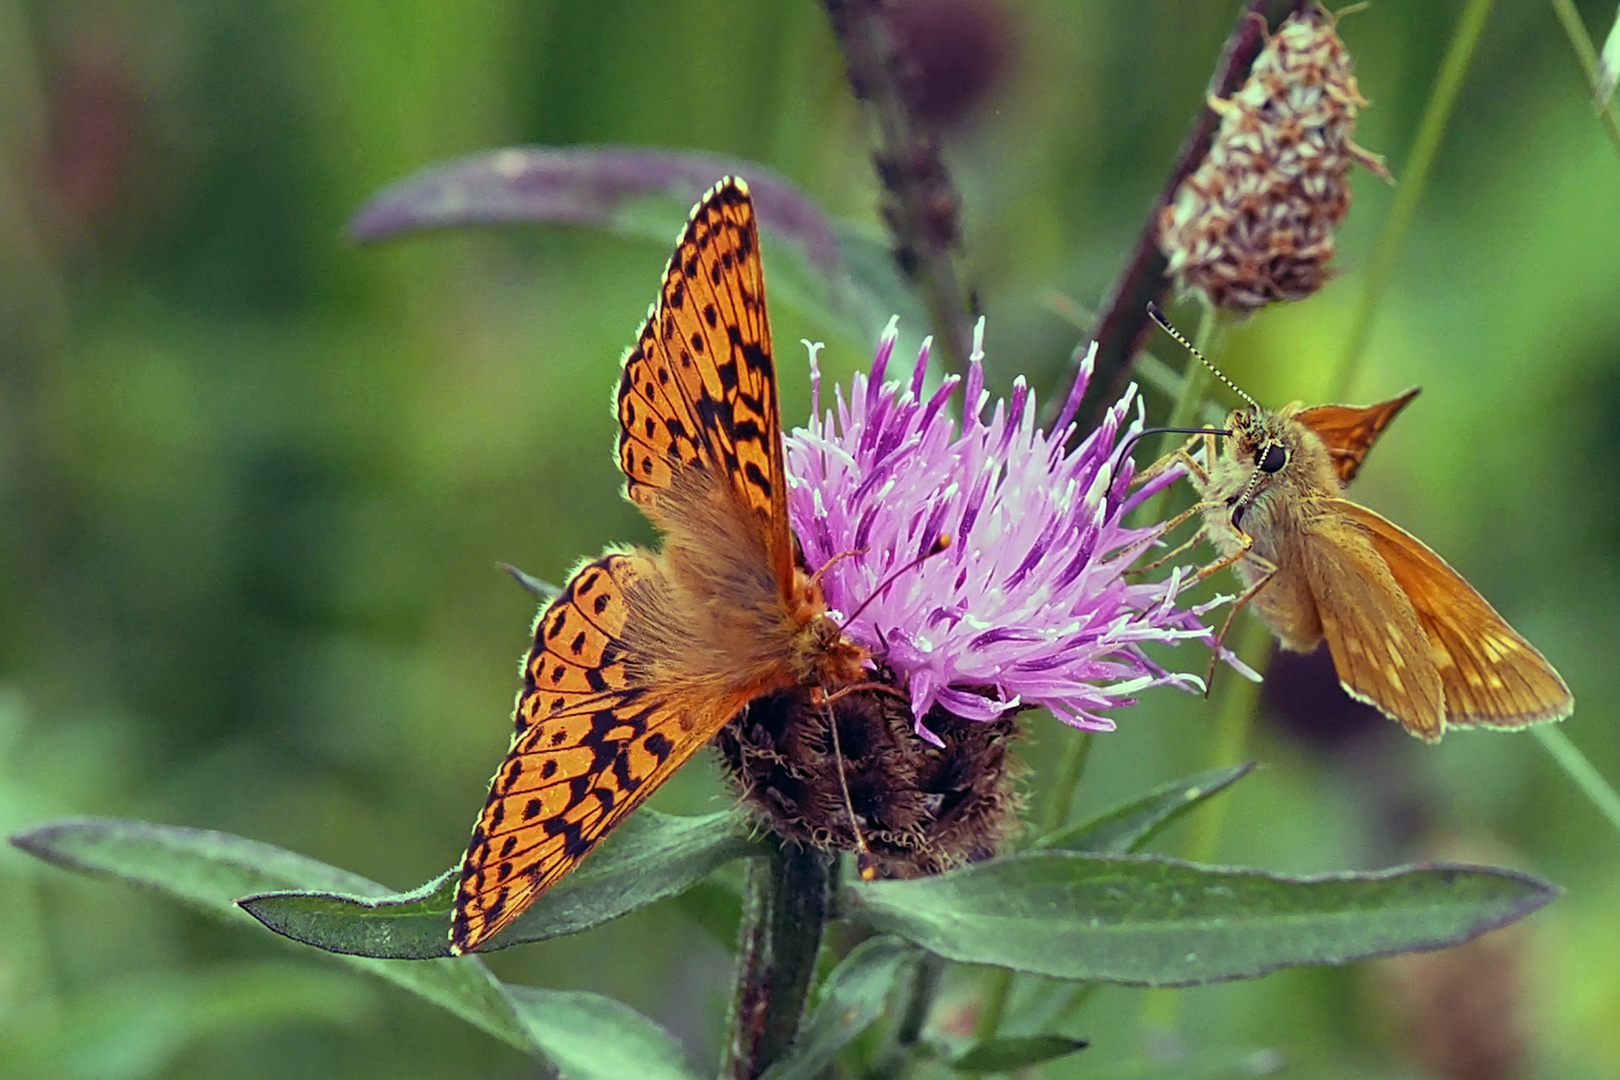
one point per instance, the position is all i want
(1123, 323)
(788, 903)
(920, 203)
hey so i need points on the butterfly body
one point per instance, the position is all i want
(1408, 635)
(644, 656)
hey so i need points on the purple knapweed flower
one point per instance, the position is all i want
(1028, 605)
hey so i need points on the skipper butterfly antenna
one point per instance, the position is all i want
(941, 543)
(1164, 324)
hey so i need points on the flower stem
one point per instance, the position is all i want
(1209, 340)
(787, 903)
(1123, 323)
(998, 982)
(1586, 52)
(1414, 177)
(1579, 769)
(1236, 699)
(1076, 751)
(921, 207)
(914, 1006)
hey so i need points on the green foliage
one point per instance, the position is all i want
(652, 856)
(587, 1036)
(1018, 1052)
(253, 482)
(1158, 922)
(1130, 826)
(852, 998)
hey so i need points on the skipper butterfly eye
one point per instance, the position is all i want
(1272, 459)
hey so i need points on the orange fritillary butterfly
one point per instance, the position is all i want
(644, 656)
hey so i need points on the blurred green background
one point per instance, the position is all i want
(254, 482)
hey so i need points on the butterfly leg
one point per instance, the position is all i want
(815, 579)
(1245, 547)
(819, 695)
(1231, 613)
(1170, 526)
(1181, 456)
(1148, 568)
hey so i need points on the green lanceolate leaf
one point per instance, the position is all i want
(1016, 1052)
(841, 273)
(1159, 922)
(852, 998)
(1129, 826)
(209, 870)
(648, 858)
(591, 1037)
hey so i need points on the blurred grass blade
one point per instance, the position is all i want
(1127, 827)
(1608, 68)
(1159, 922)
(591, 1037)
(852, 999)
(1016, 1052)
(209, 870)
(1580, 770)
(650, 857)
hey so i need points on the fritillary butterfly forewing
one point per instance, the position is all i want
(642, 658)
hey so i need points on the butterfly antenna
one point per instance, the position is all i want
(941, 543)
(1164, 324)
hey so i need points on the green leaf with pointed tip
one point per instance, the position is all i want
(840, 273)
(649, 857)
(852, 998)
(1129, 826)
(591, 1037)
(1016, 1052)
(208, 870)
(1159, 922)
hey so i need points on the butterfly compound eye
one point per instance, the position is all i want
(1272, 458)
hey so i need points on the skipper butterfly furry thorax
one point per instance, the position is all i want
(1408, 635)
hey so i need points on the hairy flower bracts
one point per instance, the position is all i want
(1254, 224)
(1028, 606)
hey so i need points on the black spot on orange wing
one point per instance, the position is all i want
(707, 347)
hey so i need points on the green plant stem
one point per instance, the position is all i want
(998, 982)
(1123, 324)
(1076, 751)
(1587, 53)
(915, 1002)
(1209, 340)
(1413, 178)
(1236, 699)
(1579, 769)
(787, 903)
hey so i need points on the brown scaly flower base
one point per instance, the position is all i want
(921, 808)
